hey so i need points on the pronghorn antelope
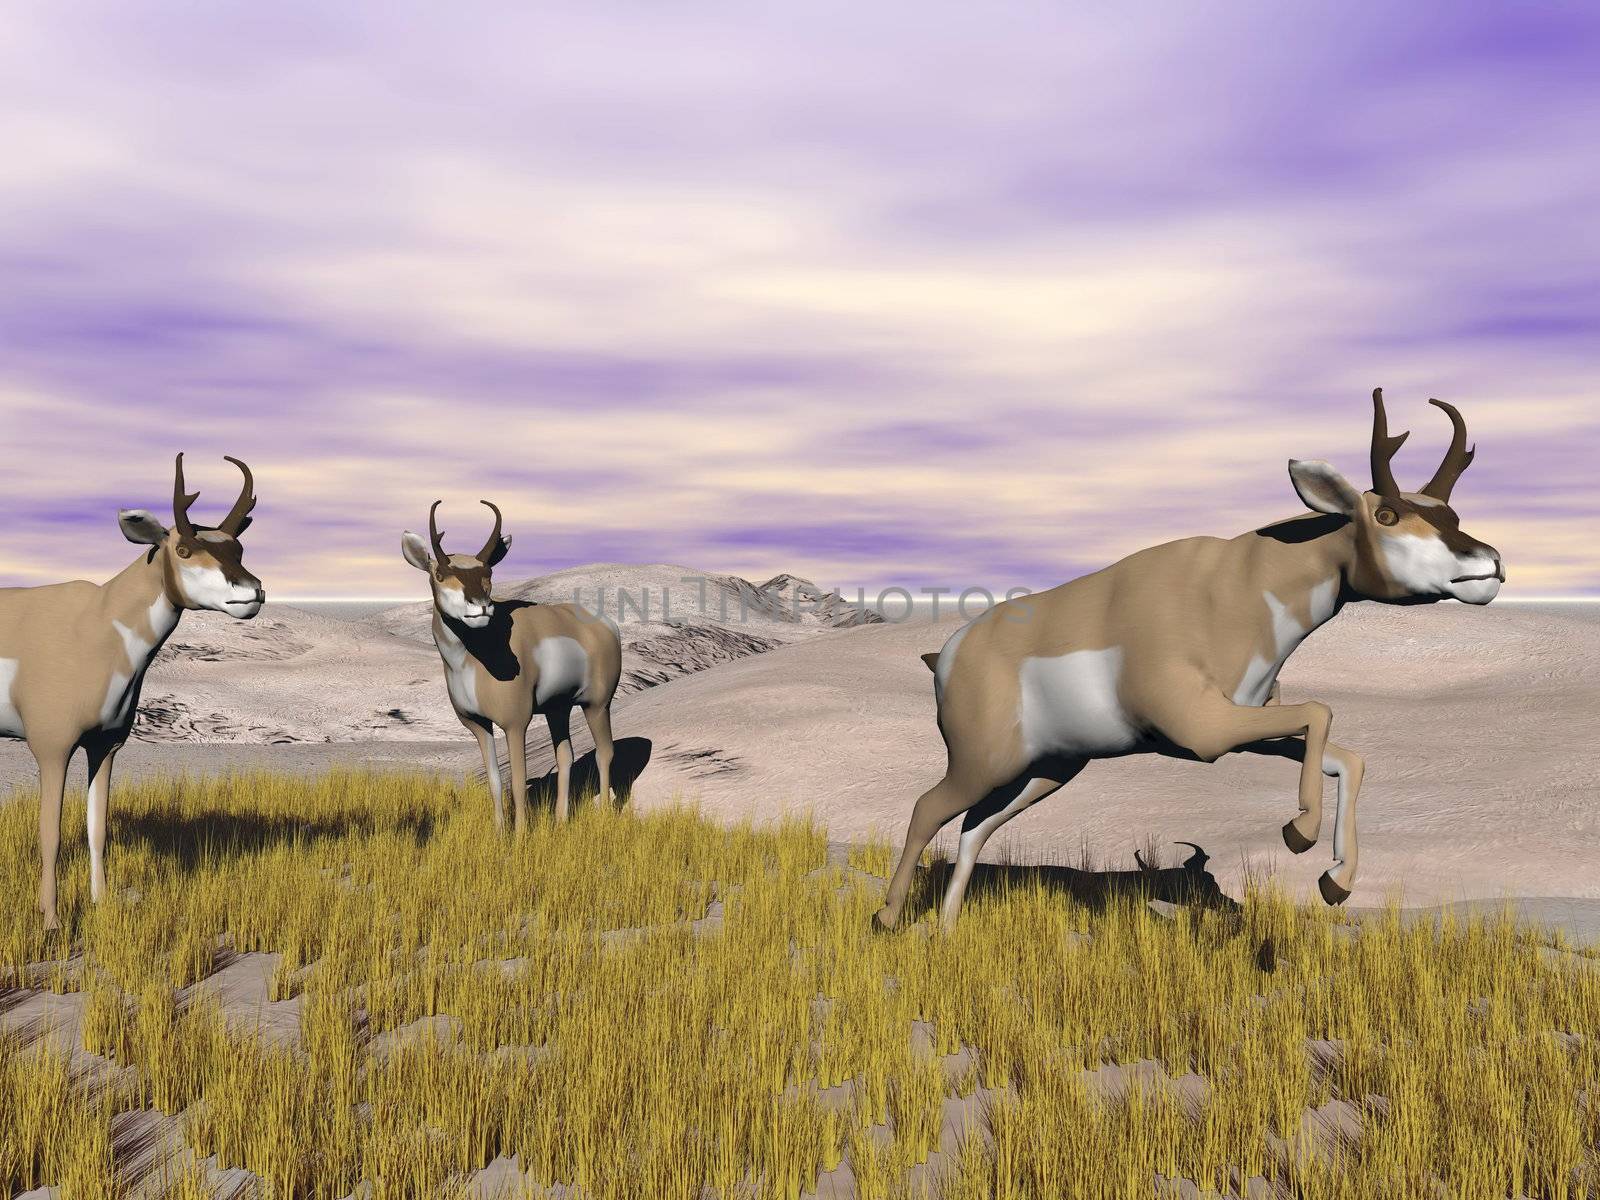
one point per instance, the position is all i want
(73, 655)
(1176, 650)
(505, 660)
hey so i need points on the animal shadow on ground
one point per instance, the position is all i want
(631, 755)
(188, 840)
(1188, 884)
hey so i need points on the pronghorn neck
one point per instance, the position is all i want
(1290, 582)
(1304, 562)
(447, 632)
(138, 602)
(458, 642)
(468, 649)
(460, 662)
(140, 588)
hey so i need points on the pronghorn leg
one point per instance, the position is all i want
(1347, 768)
(491, 766)
(517, 752)
(934, 808)
(100, 759)
(994, 811)
(599, 718)
(52, 782)
(1211, 725)
(561, 738)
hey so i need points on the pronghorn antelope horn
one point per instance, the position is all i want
(1383, 448)
(434, 535)
(239, 515)
(1196, 861)
(181, 501)
(494, 538)
(1456, 459)
(1143, 866)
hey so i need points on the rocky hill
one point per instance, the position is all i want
(293, 676)
(674, 620)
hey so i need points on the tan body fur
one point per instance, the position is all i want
(507, 660)
(1176, 650)
(509, 698)
(73, 658)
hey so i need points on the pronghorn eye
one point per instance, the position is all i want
(1387, 516)
(184, 551)
(438, 574)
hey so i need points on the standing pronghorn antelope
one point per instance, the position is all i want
(73, 655)
(505, 660)
(1176, 650)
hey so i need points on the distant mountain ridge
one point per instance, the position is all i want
(296, 675)
(674, 620)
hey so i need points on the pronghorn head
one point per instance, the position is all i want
(1410, 546)
(201, 565)
(460, 582)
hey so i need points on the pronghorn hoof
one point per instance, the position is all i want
(1297, 842)
(882, 924)
(1332, 893)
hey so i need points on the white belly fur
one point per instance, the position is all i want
(1069, 705)
(563, 670)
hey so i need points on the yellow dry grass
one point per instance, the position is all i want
(613, 1038)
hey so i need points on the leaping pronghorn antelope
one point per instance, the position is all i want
(505, 660)
(1176, 650)
(73, 655)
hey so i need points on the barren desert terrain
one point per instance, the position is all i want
(1478, 726)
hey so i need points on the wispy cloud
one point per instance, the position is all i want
(880, 294)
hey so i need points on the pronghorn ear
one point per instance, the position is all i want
(140, 528)
(1323, 488)
(415, 551)
(499, 551)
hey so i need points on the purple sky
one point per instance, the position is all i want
(879, 294)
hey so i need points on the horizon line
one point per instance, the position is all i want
(944, 598)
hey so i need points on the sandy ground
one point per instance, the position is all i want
(1479, 728)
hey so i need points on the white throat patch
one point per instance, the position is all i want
(138, 646)
(460, 672)
(1287, 633)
